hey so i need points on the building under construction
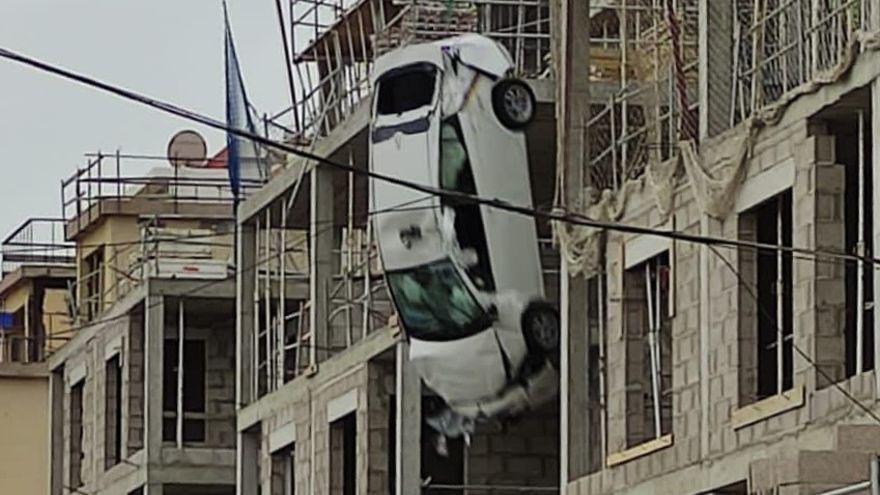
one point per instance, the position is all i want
(711, 251)
(705, 359)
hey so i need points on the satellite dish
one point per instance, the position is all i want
(187, 149)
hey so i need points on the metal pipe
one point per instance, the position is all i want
(851, 489)
(875, 475)
(493, 488)
(267, 298)
(780, 298)
(652, 337)
(603, 416)
(180, 336)
(860, 250)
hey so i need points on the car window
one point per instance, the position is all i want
(434, 303)
(456, 175)
(406, 89)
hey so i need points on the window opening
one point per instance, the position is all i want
(113, 411)
(457, 175)
(343, 455)
(766, 365)
(76, 434)
(405, 89)
(648, 350)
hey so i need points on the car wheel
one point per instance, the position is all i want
(514, 103)
(540, 324)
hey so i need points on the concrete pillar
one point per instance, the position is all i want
(320, 259)
(715, 38)
(154, 348)
(56, 432)
(571, 54)
(247, 477)
(875, 158)
(245, 262)
(408, 422)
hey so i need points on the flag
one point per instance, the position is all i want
(243, 158)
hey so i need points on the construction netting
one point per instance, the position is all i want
(713, 178)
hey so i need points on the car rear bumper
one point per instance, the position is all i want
(527, 393)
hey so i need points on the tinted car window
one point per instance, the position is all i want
(406, 89)
(434, 303)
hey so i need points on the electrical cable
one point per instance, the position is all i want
(779, 331)
(557, 214)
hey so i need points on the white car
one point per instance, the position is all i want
(465, 278)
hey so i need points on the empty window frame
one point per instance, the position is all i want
(765, 301)
(853, 152)
(442, 459)
(92, 279)
(191, 427)
(343, 455)
(112, 411)
(284, 471)
(596, 319)
(648, 334)
(75, 450)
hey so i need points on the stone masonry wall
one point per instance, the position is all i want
(708, 377)
(523, 453)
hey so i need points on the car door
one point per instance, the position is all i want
(501, 171)
(403, 144)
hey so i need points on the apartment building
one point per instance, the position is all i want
(142, 396)
(730, 366)
(328, 402)
(37, 266)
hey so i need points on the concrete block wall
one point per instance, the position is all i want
(308, 409)
(133, 384)
(523, 453)
(710, 376)
(220, 426)
(92, 357)
(125, 335)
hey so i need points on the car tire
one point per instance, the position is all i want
(541, 329)
(514, 103)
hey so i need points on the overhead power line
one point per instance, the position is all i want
(557, 214)
(752, 290)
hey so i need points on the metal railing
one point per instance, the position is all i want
(37, 241)
(780, 45)
(107, 182)
(158, 252)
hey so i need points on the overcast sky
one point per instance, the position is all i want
(169, 49)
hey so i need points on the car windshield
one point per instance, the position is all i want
(434, 303)
(406, 89)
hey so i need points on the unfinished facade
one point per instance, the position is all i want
(327, 400)
(142, 396)
(761, 360)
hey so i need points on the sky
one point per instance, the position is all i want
(168, 49)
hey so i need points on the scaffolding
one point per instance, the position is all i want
(633, 51)
(182, 226)
(37, 241)
(334, 43)
(284, 341)
(781, 45)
